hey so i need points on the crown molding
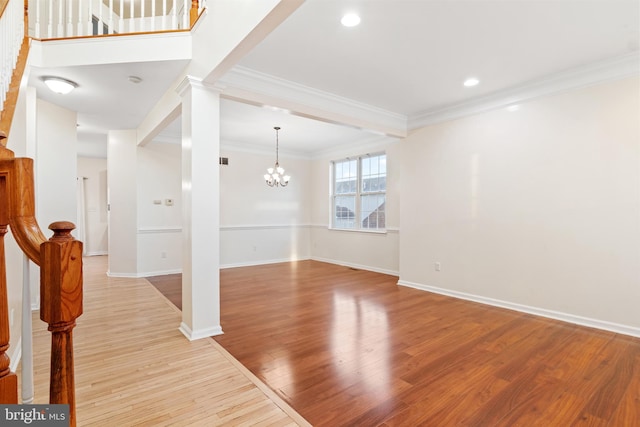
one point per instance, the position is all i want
(251, 86)
(371, 145)
(244, 147)
(612, 69)
(244, 84)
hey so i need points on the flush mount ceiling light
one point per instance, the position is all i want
(350, 20)
(275, 176)
(471, 81)
(59, 85)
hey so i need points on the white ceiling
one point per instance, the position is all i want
(406, 57)
(412, 56)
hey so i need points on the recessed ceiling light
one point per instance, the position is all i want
(135, 79)
(59, 85)
(350, 20)
(472, 81)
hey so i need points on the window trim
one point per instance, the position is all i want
(358, 194)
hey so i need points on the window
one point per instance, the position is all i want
(359, 192)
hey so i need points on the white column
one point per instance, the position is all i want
(122, 200)
(200, 209)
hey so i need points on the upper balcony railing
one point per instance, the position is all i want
(11, 35)
(53, 19)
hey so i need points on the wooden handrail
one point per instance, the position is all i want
(3, 6)
(9, 107)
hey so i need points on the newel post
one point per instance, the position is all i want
(193, 12)
(8, 379)
(61, 304)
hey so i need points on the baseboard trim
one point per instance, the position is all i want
(123, 275)
(551, 314)
(97, 253)
(160, 273)
(145, 274)
(200, 333)
(263, 262)
(358, 266)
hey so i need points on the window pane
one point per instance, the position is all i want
(372, 213)
(382, 183)
(374, 165)
(345, 212)
(374, 178)
(359, 188)
(346, 177)
(366, 166)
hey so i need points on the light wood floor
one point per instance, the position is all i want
(351, 348)
(134, 368)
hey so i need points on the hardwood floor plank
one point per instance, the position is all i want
(348, 347)
(614, 378)
(134, 368)
(627, 413)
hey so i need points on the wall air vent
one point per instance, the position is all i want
(224, 160)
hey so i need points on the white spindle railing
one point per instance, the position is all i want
(78, 18)
(26, 360)
(11, 35)
(185, 16)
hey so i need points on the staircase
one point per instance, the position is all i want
(59, 258)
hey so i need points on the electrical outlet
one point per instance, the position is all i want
(437, 266)
(163, 254)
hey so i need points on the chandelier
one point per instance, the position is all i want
(275, 176)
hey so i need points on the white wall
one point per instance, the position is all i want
(56, 165)
(122, 199)
(360, 249)
(261, 224)
(538, 209)
(94, 170)
(159, 225)
(55, 173)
